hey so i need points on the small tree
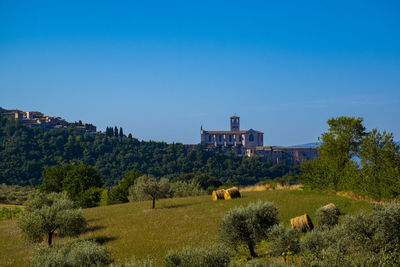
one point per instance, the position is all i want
(47, 214)
(247, 226)
(148, 188)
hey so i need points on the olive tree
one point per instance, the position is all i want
(48, 214)
(71, 253)
(247, 226)
(146, 188)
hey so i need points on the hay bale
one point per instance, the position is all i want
(231, 193)
(331, 206)
(218, 194)
(302, 223)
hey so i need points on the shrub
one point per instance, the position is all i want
(355, 233)
(247, 226)
(71, 253)
(283, 240)
(204, 256)
(133, 262)
(315, 241)
(386, 223)
(186, 189)
(91, 197)
(210, 189)
(327, 216)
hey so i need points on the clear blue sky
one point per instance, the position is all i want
(160, 69)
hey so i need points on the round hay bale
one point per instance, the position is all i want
(231, 193)
(331, 206)
(302, 223)
(218, 194)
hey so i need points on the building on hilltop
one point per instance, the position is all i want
(38, 119)
(233, 138)
(250, 143)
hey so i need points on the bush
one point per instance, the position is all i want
(71, 253)
(315, 241)
(284, 240)
(204, 256)
(247, 226)
(328, 216)
(386, 223)
(186, 189)
(91, 197)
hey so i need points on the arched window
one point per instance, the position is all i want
(251, 138)
(230, 138)
(209, 138)
(220, 138)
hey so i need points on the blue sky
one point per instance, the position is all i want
(160, 69)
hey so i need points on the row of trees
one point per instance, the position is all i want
(25, 151)
(367, 163)
(110, 132)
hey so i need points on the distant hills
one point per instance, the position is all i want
(317, 144)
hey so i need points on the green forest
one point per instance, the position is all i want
(25, 152)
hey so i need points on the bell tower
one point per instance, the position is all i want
(235, 123)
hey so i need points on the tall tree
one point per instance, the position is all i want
(116, 131)
(380, 161)
(338, 147)
(121, 132)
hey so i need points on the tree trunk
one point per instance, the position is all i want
(154, 202)
(251, 248)
(50, 238)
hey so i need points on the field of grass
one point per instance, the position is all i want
(133, 229)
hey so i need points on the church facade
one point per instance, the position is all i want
(250, 143)
(233, 138)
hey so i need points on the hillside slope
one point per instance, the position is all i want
(133, 229)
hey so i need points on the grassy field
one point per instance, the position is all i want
(133, 229)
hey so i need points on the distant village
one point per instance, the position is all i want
(38, 119)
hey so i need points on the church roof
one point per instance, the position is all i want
(231, 132)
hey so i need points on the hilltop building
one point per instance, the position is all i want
(233, 138)
(37, 119)
(250, 143)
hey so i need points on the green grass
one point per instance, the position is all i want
(133, 229)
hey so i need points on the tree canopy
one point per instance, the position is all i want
(47, 214)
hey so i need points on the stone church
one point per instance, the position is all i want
(233, 138)
(251, 143)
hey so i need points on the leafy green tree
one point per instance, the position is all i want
(116, 131)
(53, 178)
(148, 188)
(338, 147)
(121, 133)
(47, 214)
(380, 161)
(247, 226)
(120, 193)
(80, 179)
(82, 183)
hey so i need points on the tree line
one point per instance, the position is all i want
(352, 159)
(25, 152)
